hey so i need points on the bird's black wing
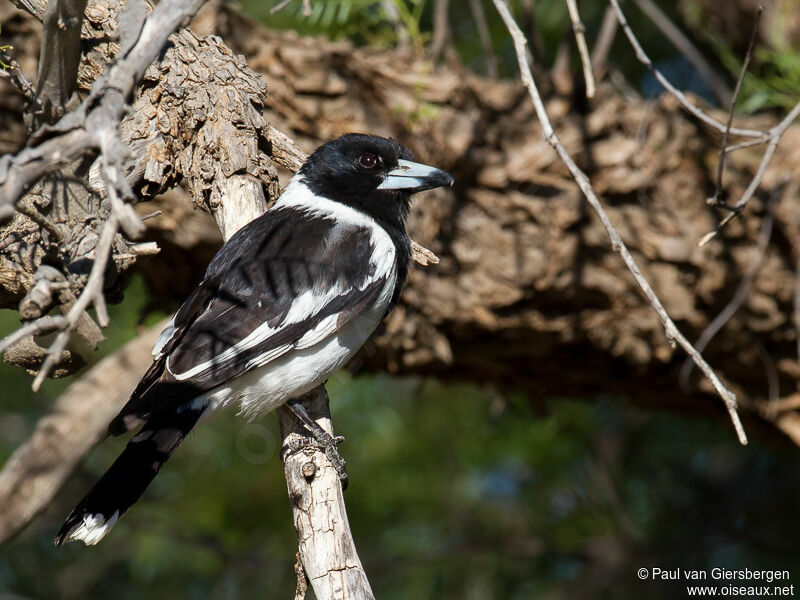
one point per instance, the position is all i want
(287, 280)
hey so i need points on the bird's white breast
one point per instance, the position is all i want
(264, 388)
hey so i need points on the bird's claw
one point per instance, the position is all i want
(327, 444)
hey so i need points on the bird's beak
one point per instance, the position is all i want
(415, 177)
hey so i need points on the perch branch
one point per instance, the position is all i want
(327, 552)
(583, 50)
(673, 334)
(326, 547)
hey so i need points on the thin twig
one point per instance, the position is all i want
(91, 293)
(742, 291)
(774, 137)
(602, 45)
(479, 16)
(42, 325)
(441, 28)
(583, 50)
(745, 144)
(151, 215)
(685, 47)
(723, 149)
(279, 7)
(673, 334)
(14, 74)
(681, 97)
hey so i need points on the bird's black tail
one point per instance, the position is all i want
(128, 477)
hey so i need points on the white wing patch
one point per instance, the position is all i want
(164, 338)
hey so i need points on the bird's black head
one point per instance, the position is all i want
(372, 174)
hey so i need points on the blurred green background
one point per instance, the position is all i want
(456, 491)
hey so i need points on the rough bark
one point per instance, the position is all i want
(327, 550)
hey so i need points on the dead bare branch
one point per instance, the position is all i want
(742, 291)
(326, 547)
(81, 131)
(579, 29)
(93, 126)
(36, 470)
(479, 16)
(774, 137)
(40, 326)
(685, 47)
(59, 56)
(723, 148)
(641, 55)
(91, 293)
(602, 45)
(11, 71)
(672, 332)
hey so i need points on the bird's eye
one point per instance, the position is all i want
(368, 160)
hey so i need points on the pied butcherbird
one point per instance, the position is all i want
(284, 303)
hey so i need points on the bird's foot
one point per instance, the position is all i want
(319, 439)
(328, 446)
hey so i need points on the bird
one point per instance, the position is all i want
(284, 303)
